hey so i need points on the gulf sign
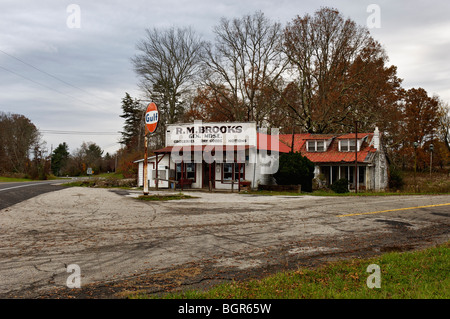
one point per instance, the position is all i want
(151, 117)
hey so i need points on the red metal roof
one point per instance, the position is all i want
(299, 140)
(352, 136)
(269, 142)
(332, 154)
(266, 142)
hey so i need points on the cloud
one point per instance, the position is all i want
(95, 58)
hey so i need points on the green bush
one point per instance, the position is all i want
(340, 186)
(295, 169)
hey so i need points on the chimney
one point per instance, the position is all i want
(376, 138)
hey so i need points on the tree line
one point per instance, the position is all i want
(21, 147)
(88, 155)
(319, 73)
(23, 153)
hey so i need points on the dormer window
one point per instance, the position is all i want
(316, 146)
(347, 145)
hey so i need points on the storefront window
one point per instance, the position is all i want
(227, 172)
(188, 171)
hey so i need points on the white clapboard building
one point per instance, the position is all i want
(220, 155)
(213, 156)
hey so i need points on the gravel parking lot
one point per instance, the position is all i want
(122, 244)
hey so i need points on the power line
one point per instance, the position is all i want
(78, 132)
(43, 85)
(48, 74)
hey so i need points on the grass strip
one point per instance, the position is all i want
(423, 274)
(12, 179)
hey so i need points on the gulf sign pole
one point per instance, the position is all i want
(151, 123)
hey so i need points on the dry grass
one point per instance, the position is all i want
(438, 182)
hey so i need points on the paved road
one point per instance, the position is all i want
(123, 244)
(13, 193)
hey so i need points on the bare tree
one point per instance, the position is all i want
(242, 65)
(338, 70)
(168, 63)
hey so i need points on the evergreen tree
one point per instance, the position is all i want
(60, 156)
(132, 135)
(171, 109)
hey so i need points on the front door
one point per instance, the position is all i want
(208, 170)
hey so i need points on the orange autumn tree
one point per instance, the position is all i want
(419, 123)
(339, 73)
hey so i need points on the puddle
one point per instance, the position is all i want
(394, 223)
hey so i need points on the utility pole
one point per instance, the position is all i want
(356, 157)
(431, 157)
(51, 153)
(415, 163)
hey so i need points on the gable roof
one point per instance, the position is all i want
(332, 154)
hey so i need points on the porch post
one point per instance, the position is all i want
(331, 175)
(182, 177)
(348, 174)
(156, 172)
(209, 182)
(239, 176)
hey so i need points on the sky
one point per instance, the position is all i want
(66, 64)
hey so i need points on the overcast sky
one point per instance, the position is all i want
(66, 76)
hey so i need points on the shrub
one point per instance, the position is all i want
(295, 169)
(340, 186)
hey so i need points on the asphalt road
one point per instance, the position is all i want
(16, 192)
(122, 244)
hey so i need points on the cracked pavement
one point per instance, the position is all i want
(123, 245)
